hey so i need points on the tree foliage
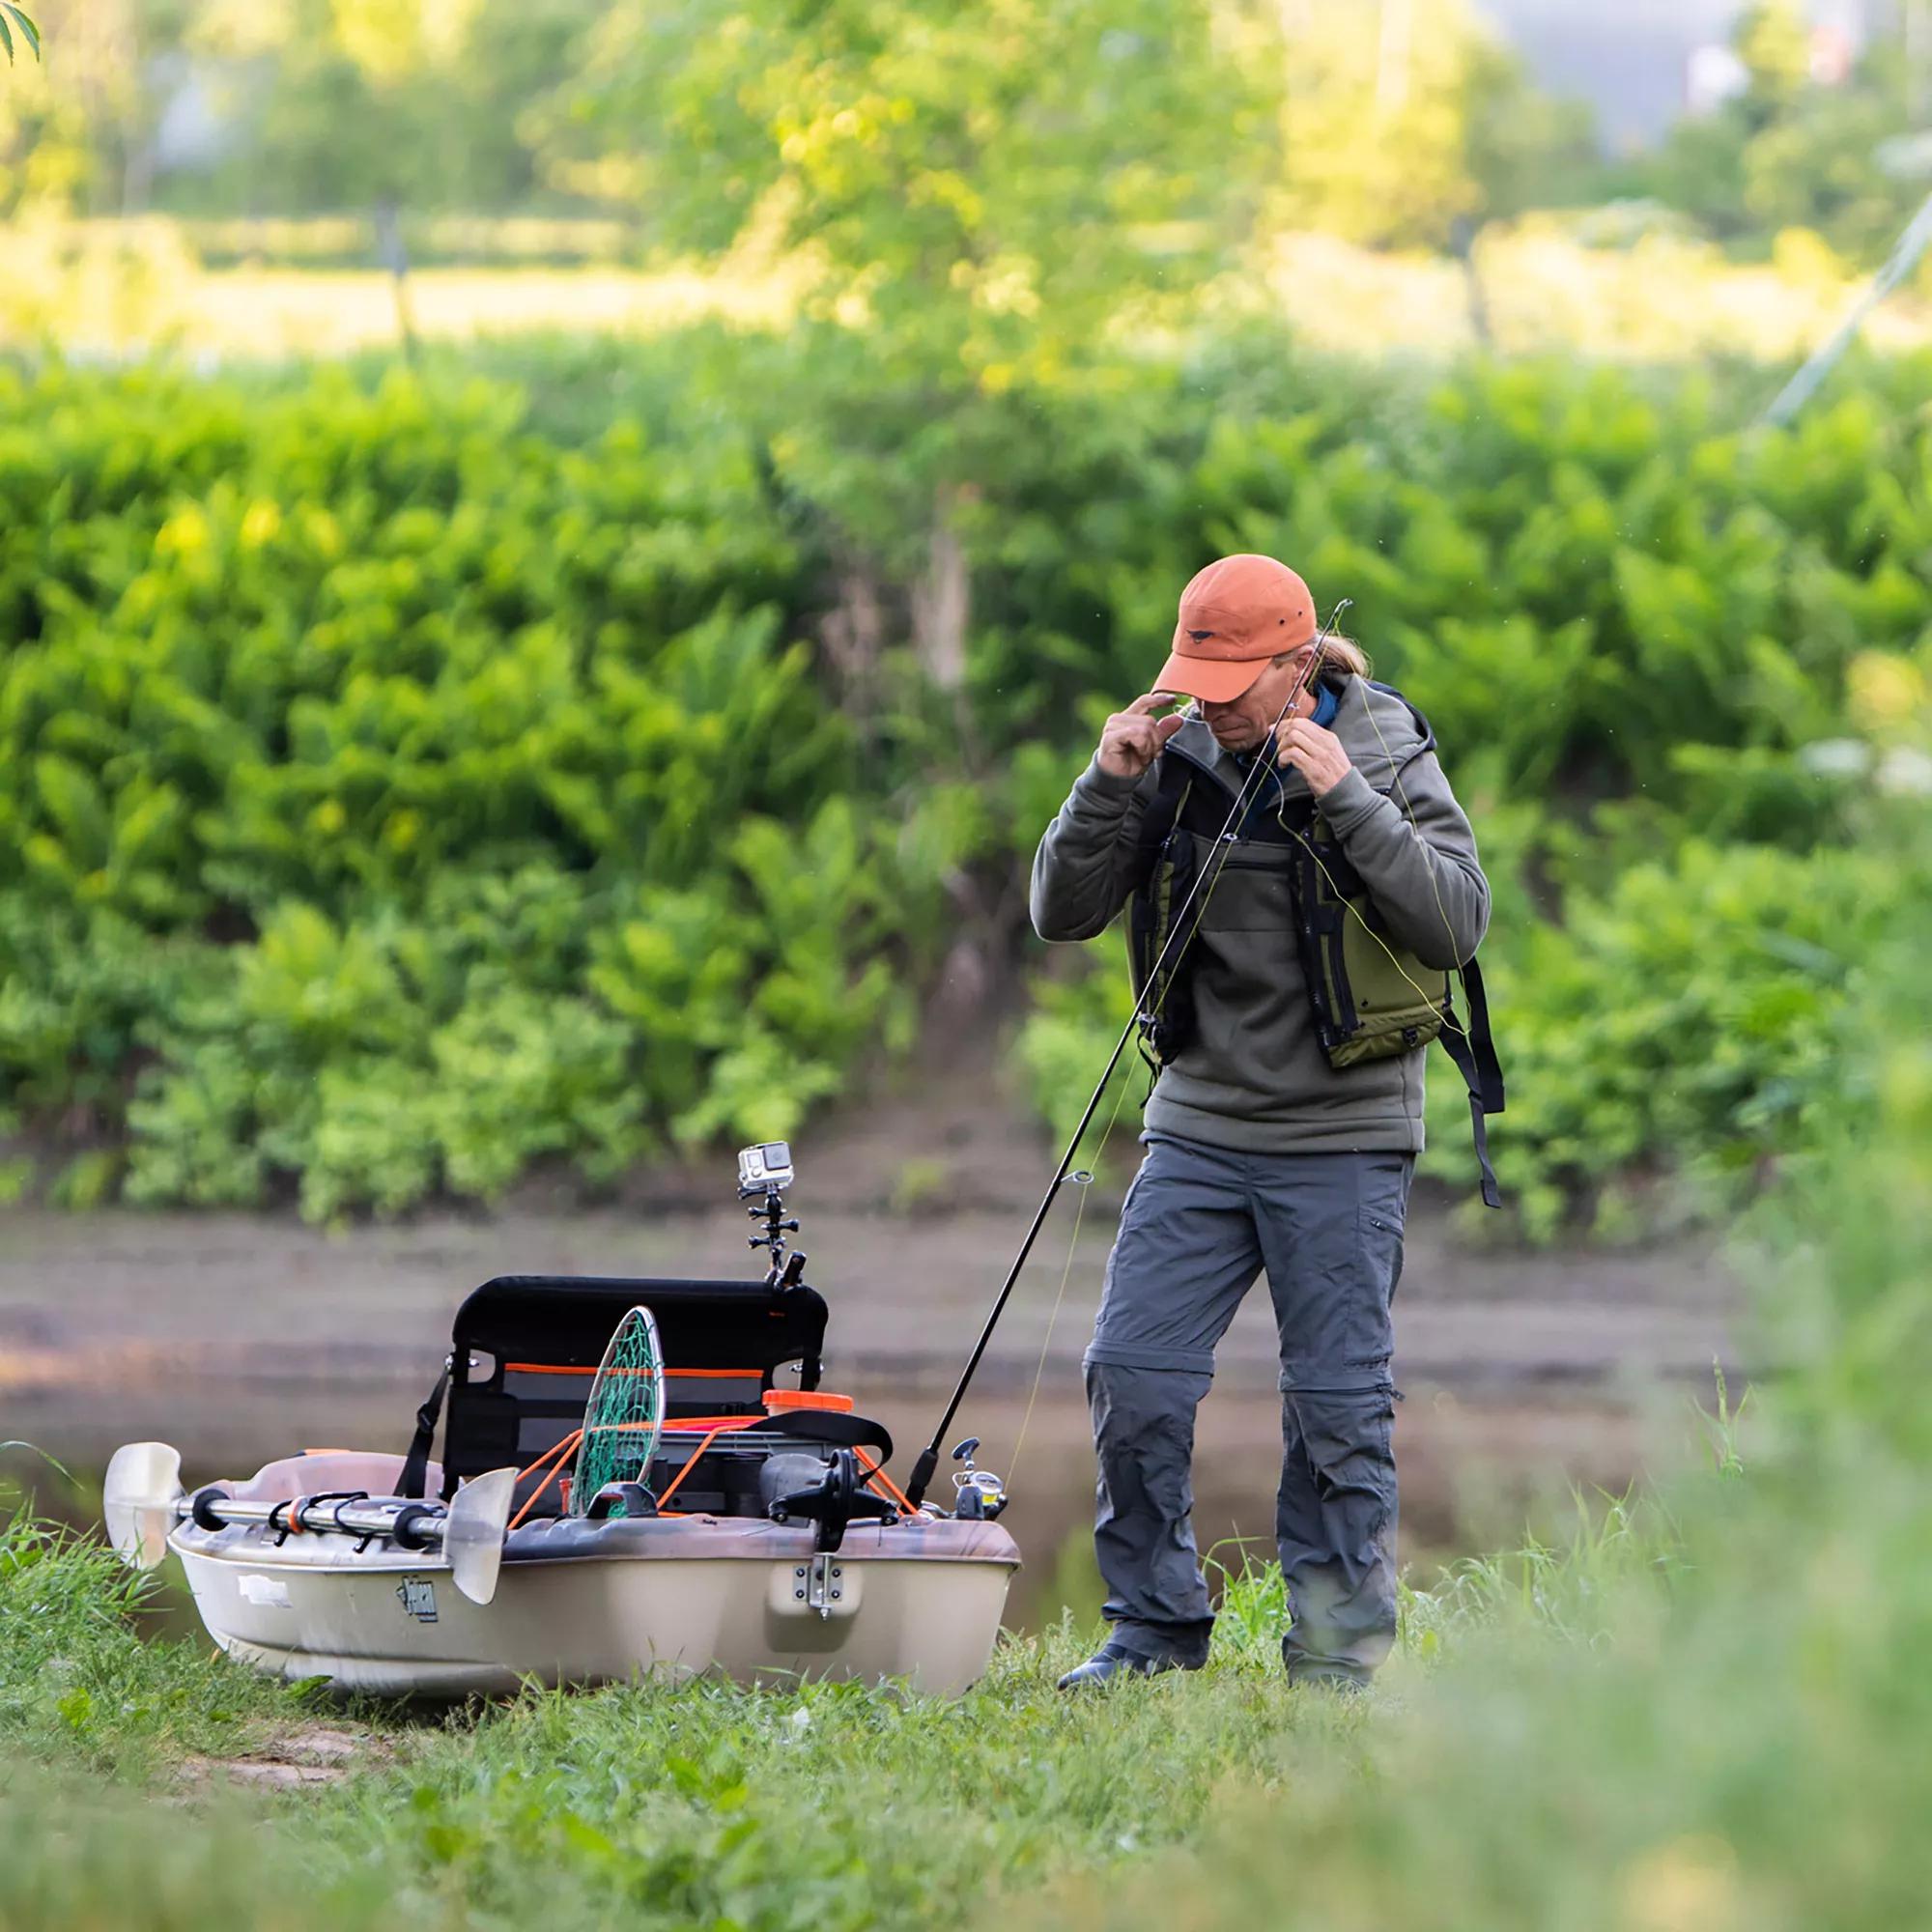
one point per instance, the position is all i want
(1393, 141)
(18, 22)
(1002, 180)
(990, 184)
(1791, 152)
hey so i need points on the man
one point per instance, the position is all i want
(1283, 1129)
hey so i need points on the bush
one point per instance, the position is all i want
(397, 801)
(408, 778)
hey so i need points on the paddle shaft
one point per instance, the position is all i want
(412, 1524)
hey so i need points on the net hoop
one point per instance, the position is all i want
(623, 1414)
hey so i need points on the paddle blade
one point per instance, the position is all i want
(473, 1530)
(138, 1499)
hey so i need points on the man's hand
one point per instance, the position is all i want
(1314, 752)
(1132, 738)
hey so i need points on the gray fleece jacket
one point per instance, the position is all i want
(1253, 1077)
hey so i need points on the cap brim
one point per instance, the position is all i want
(1215, 679)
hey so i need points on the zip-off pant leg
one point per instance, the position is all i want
(1196, 1226)
(1186, 1255)
(1332, 1241)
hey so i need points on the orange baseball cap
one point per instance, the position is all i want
(1234, 616)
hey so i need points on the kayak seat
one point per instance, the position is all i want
(524, 1349)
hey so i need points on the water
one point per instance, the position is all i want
(1469, 1471)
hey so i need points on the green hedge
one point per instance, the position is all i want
(409, 778)
(391, 798)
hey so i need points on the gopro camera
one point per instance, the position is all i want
(764, 1169)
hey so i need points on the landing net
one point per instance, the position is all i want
(624, 1413)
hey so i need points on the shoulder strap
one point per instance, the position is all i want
(415, 1464)
(1172, 782)
(1473, 1049)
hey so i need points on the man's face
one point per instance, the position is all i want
(1242, 723)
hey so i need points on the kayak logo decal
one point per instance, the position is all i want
(417, 1597)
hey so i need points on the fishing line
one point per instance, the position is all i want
(1408, 812)
(1482, 1084)
(1084, 1179)
(1099, 1153)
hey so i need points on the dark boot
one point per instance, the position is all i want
(1114, 1661)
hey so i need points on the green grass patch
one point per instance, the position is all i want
(673, 1806)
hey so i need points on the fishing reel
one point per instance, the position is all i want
(766, 1168)
(978, 1495)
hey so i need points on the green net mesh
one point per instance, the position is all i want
(624, 1413)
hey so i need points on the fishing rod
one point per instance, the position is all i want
(927, 1464)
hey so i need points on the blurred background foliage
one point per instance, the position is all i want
(445, 762)
(683, 124)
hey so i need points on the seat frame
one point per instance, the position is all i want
(516, 1328)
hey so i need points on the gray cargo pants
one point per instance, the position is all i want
(1199, 1224)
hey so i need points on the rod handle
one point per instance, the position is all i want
(923, 1472)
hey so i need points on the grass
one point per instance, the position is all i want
(1697, 1710)
(830, 1806)
(1701, 1711)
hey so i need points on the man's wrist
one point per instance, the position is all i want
(1096, 778)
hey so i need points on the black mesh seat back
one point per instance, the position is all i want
(524, 1349)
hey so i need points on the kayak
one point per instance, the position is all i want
(579, 1601)
(750, 1530)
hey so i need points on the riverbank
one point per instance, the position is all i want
(236, 1337)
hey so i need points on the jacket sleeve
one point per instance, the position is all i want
(1417, 856)
(1084, 871)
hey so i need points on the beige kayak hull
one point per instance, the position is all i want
(918, 1601)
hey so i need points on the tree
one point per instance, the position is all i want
(984, 195)
(1790, 153)
(1399, 139)
(987, 186)
(69, 134)
(339, 103)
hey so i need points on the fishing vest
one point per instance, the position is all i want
(1371, 998)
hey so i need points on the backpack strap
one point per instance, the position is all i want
(415, 1464)
(1173, 780)
(1473, 1049)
